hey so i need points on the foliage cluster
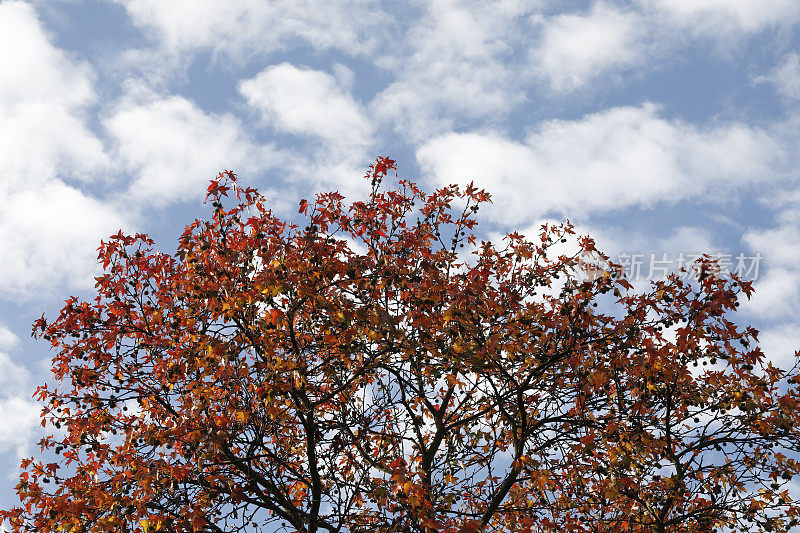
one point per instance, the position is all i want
(366, 373)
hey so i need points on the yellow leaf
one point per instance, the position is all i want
(447, 315)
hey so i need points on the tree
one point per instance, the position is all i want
(366, 373)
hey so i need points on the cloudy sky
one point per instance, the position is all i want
(657, 126)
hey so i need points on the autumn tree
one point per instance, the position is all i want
(377, 368)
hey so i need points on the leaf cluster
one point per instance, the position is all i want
(379, 369)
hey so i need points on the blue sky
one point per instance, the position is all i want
(657, 126)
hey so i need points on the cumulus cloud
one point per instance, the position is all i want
(778, 285)
(8, 339)
(780, 343)
(172, 147)
(14, 378)
(19, 414)
(317, 108)
(308, 103)
(50, 236)
(49, 229)
(620, 157)
(451, 61)
(723, 17)
(575, 48)
(454, 64)
(43, 101)
(785, 77)
(240, 29)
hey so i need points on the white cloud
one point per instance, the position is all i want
(344, 76)
(50, 236)
(616, 240)
(616, 38)
(724, 17)
(49, 230)
(688, 240)
(314, 106)
(173, 147)
(308, 103)
(775, 293)
(785, 77)
(576, 48)
(43, 99)
(780, 343)
(20, 419)
(624, 156)
(777, 289)
(7, 338)
(14, 378)
(454, 64)
(19, 415)
(242, 28)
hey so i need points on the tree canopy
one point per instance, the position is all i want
(379, 368)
